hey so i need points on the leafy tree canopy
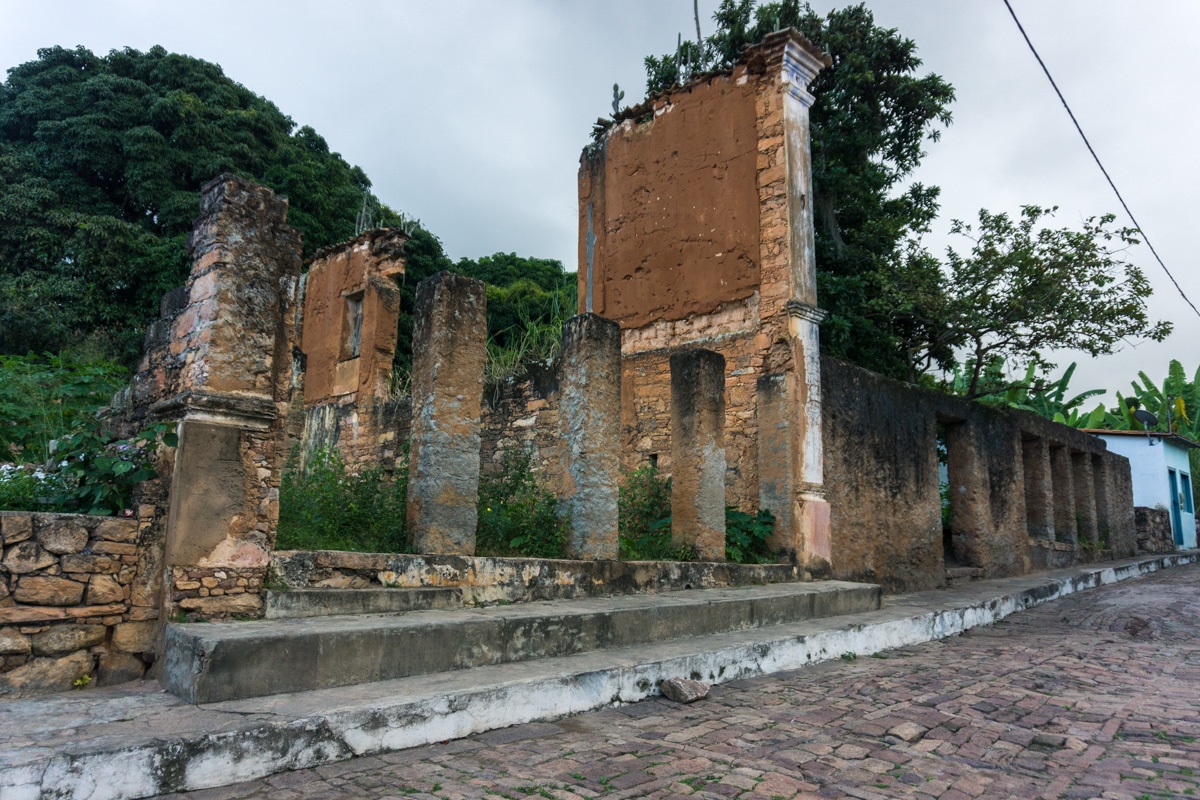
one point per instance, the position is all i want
(101, 161)
(872, 116)
(1024, 288)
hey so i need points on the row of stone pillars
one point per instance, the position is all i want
(449, 353)
(1065, 493)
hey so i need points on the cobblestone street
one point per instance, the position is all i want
(1097, 695)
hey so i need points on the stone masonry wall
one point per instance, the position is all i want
(881, 471)
(73, 601)
(350, 312)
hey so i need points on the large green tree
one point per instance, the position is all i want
(1025, 288)
(873, 114)
(101, 160)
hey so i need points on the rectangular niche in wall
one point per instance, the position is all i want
(352, 324)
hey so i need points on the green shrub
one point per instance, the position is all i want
(26, 489)
(517, 515)
(98, 473)
(746, 536)
(43, 398)
(645, 518)
(325, 507)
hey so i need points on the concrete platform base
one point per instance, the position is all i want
(139, 741)
(211, 662)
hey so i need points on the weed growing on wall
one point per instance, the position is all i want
(326, 507)
(517, 515)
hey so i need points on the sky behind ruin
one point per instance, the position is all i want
(470, 115)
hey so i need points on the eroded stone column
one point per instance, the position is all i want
(698, 452)
(1039, 489)
(970, 506)
(1085, 497)
(589, 422)
(449, 354)
(1065, 528)
(1100, 494)
(775, 478)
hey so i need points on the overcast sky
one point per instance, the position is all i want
(471, 115)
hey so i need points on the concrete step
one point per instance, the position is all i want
(211, 662)
(957, 576)
(331, 602)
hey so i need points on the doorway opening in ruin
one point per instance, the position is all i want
(960, 500)
(944, 492)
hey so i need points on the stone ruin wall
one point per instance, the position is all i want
(684, 242)
(351, 303)
(881, 471)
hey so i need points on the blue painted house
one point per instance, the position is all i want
(1161, 476)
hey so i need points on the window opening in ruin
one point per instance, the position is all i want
(352, 342)
(654, 460)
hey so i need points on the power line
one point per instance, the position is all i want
(1092, 150)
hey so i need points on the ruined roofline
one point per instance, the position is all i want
(387, 242)
(755, 57)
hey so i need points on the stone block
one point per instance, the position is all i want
(590, 426)
(13, 643)
(118, 530)
(63, 639)
(135, 637)
(61, 537)
(684, 690)
(15, 528)
(698, 452)
(48, 591)
(104, 589)
(115, 668)
(449, 353)
(224, 605)
(90, 564)
(27, 556)
(45, 675)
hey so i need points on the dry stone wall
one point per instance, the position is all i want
(72, 602)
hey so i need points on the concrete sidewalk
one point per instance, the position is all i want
(137, 741)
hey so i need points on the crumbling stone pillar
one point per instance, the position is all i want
(970, 506)
(589, 422)
(1065, 527)
(232, 342)
(449, 355)
(775, 471)
(698, 452)
(1085, 497)
(1039, 489)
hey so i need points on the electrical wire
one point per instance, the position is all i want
(1099, 163)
